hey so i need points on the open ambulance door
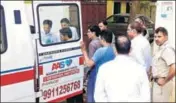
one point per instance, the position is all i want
(59, 74)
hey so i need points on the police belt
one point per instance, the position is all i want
(156, 79)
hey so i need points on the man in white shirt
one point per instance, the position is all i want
(66, 23)
(140, 47)
(122, 79)
(46, 36)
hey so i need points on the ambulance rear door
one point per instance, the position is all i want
(60, 63)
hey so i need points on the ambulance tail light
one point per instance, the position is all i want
(81, 60)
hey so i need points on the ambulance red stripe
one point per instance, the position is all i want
(18, 77)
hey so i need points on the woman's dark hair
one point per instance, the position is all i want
(94, 28)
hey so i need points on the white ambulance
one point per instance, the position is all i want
(30, 70)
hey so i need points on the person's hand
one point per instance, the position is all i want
(83, 47)
(161, 81)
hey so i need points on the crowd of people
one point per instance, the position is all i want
(120, 67)
(66, 33)
(123, 69)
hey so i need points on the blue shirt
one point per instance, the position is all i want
(101, 56)
(49, 38)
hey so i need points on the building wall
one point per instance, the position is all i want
(92, 13)
(149, 11)
(110, 7)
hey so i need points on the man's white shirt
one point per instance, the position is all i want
(74, 33)
(141, 51)
(122, 80)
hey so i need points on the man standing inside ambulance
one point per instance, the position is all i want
(47, 36)
(163, 67)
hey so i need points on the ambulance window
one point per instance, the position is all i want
(58, 23)
(3, 41)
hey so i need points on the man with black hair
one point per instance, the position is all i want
(65, 23)
(122, 79)
(101, 56)
(163, 67)
(103, 26)
(46, 35)
(66, 34)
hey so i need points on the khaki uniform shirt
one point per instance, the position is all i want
(163, 58)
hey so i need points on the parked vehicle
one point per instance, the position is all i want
(118, 23)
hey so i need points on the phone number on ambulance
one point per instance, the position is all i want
(60, 90)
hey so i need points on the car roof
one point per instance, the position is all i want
(128, 14)
(123, 14)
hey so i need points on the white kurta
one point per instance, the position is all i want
(141, 51)
(122, 80)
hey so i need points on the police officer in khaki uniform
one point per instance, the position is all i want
(163, 67)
